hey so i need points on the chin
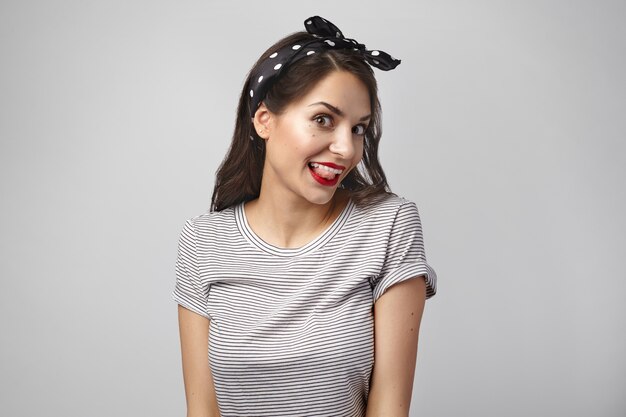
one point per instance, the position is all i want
(321, 197)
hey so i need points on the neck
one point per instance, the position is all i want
(289, 221)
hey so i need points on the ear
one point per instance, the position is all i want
(262, 121)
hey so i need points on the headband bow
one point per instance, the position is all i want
(328, 36)
(322, 28)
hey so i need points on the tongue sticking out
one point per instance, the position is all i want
(323, 173)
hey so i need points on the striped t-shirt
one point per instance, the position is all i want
(292, 328)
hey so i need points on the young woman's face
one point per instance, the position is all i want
(324, 127)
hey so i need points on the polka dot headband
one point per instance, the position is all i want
(328, 37)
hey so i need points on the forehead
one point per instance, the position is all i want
(340, 89)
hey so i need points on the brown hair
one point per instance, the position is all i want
(238, 177)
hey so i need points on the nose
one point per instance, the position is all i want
(343, 143)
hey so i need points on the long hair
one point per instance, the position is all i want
(238, 177)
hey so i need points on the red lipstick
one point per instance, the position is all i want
(330, 164)
(322, 180)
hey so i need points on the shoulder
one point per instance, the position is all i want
(379, 217)
(387, 206)
(211, 221)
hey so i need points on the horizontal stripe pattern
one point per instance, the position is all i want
(292, 328)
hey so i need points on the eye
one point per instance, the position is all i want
(323, 117)
(360, 129)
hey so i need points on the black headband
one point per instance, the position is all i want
(328, 36)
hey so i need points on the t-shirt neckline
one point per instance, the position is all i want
(319, 241)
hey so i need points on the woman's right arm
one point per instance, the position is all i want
(199, 388)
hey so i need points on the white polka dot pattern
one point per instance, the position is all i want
(325, 36)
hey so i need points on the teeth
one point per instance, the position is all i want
(329, 169)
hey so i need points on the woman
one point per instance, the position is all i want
(303, 268)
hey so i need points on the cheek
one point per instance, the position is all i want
(302, 136)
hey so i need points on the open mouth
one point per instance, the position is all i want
(323, 174)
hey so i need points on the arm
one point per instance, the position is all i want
(397, 317)
(199, 388)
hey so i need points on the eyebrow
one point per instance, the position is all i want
(337, 111)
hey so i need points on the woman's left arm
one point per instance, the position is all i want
(397, 317)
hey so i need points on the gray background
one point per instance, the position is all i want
(504, 123)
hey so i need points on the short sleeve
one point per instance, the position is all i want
(190, 291)
(405, 256)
